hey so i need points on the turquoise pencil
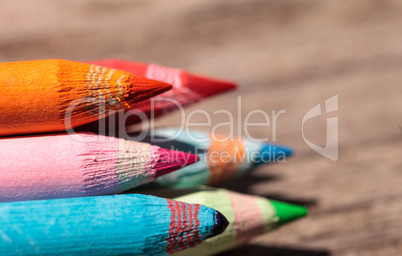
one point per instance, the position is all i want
(221, 160)
(105, 225)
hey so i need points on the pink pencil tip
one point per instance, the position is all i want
(208, 86)
(171, 160)
(192, 159)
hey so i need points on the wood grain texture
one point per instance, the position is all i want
(284, 54)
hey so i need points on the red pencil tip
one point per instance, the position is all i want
(171, 160)
(208, 86)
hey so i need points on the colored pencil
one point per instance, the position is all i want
(249, 216)
(219, 162)
(105, 225)
(60, 166)
(187, 89)
(56, 95)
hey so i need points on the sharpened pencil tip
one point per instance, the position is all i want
(207, 86)
(143, 88)
(272, 153)
(288, 212)
(191, 159)
(171, 160)
(221, 223)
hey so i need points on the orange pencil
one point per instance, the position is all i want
(56, 95)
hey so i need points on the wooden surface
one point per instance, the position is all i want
(285, 54)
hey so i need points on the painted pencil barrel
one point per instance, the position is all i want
(56, 95)
(105, 225)
(60, 166)
(249, 217)
(221, 159)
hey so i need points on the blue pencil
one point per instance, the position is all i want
(220, 161)
(105, 225)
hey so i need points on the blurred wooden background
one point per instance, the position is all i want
(286, 55)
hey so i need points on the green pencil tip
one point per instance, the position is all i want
(288, 212)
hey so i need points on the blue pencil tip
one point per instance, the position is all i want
(272, 153)
(221, 223)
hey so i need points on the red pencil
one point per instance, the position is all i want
(187, 89)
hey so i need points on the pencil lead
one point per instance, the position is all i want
(221, 223)
(288, 212)
(272, 153)
(207, 86)
(171, 160)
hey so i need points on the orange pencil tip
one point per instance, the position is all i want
(143, 88)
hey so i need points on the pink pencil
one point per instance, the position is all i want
(60, 166)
